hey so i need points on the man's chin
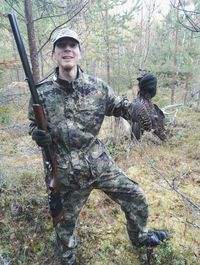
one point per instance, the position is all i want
(68, 67)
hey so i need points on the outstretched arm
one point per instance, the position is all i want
(132, 111)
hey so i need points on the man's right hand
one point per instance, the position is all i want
(41, 137)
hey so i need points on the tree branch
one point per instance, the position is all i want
(7, 2)
(49, 16)
(194, 27)
(185, 198)
(43, 45)
(186, 222)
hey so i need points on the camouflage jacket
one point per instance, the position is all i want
(77, 109)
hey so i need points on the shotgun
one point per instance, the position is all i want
(55, 204)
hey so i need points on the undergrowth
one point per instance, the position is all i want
(27, 236)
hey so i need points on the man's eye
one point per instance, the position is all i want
(72, 45)
(62, 45)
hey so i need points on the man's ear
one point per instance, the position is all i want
(54, 58)
(81, 53)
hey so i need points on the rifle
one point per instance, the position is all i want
(42, 123)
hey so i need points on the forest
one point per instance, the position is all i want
(118, 39)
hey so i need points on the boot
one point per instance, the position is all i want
(153, 238)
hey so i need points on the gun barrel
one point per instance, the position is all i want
(41, 122)
(24, 59)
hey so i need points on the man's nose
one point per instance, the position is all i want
(67, 46)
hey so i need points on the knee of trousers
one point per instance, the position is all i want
(66, 234)
(137, 196)
(136, 204)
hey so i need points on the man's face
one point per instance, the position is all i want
(67, 53)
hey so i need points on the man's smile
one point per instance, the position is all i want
(67, 57)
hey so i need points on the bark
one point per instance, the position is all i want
(32, 40)
(107, 50)
(187, 87)
(174, 81)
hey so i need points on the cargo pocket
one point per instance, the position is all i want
(99, 162)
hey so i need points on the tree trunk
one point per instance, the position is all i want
(175, 76)
(32, 40)
(198, 101)
(187, 88)
(173, 87)
(107, 49)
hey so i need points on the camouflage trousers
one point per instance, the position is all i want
(96, 170)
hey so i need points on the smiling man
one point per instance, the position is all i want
(67, 54)
(75, 105)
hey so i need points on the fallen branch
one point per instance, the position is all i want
(171, 107)
(185, 222)
(185, 198)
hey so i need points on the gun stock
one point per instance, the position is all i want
(40, 117)
(42, 123)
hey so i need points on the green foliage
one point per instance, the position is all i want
(166, 255)
(26, 228)
(110, 35)
(118, 148)
(176, 49)
(108, 42)
(5, 114)
(163, 255)
(25, 224)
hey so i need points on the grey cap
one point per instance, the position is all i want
(65, 33)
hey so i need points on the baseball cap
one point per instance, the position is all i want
(65, 33)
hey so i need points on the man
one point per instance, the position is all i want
(75, 105)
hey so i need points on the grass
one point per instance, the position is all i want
(27, 235)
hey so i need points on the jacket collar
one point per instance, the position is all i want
(64, 84)
(62, 81)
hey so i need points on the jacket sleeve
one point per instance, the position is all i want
(132, 111)
(31, 117)
(117, 106)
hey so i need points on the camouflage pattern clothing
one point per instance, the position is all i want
(77, 110)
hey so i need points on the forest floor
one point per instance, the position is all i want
(169, 173)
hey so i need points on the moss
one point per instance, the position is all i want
(26, 224)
